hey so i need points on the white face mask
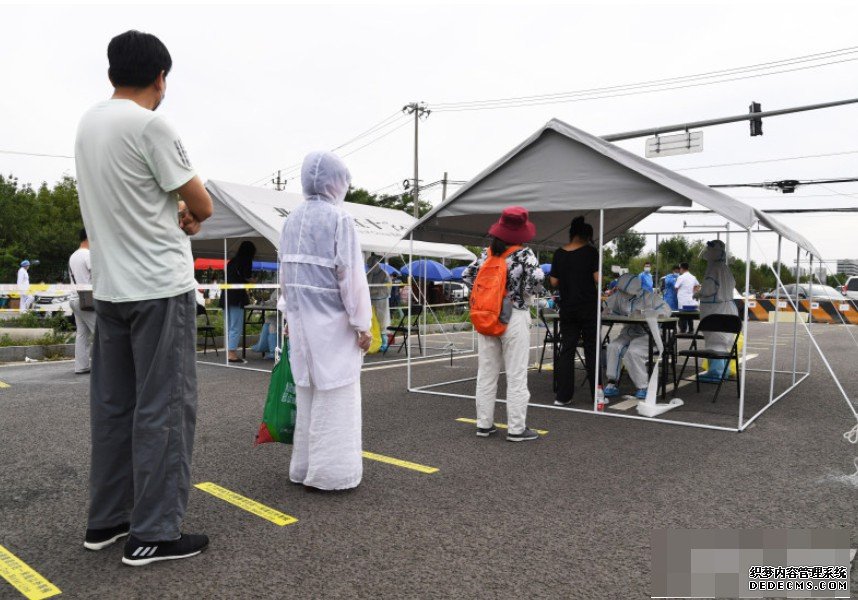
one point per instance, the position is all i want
(647, 269)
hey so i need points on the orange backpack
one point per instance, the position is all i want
(488, 294)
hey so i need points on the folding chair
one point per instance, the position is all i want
(207, 330)
(730, 324)
(404, 327)
(549, 339)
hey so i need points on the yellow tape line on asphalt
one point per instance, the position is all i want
(25, 579)
(251, 506)
(499, 425)
(400, 463)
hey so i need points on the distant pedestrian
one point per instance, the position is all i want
(686, 286)
(509, 349)
(24, 286)
(379, 292)
(80, 271)
(131, 165)
(239, 270)
(646, 277)
(669, 288)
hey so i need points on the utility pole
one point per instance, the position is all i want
(279, 183)
(444, 187)
(419, 110)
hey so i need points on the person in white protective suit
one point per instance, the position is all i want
(631, 346)
(328, 316)
(379, 294)
(716, 298)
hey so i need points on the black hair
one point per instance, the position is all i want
(683, 265)
(498, 246)
(243, 258)
(136, 59)
(675, 267)
(580, 229)
(82, 234)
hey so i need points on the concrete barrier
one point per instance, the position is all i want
(836, 313)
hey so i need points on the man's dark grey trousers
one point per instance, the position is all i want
(143, 405)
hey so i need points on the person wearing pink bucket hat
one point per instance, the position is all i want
(511, 349)
(514, 227)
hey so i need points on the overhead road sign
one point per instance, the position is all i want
(672, 145)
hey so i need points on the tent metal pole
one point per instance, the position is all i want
(810, 309)
(769, 405)
(797, 312)
(775, 331)
(744, 364)
(225, 313)
(656, 260)
(597, 370)
(410, 300)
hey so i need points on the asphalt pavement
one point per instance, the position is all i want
(567, 516)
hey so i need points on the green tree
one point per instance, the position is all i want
(403, 202)
(628, 246)
(38, 225)
(673, 251)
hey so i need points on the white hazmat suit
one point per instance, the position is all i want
(325, 292)
(716, 298)
(631, 346)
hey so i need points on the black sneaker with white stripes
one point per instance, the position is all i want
(97, 539)
(139, 553)
(486, 431)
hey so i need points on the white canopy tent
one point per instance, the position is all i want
(246, 212)
(561, 172)
(243, 212)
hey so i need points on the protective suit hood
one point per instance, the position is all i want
(629, 284)
(325, 177)
(715, 251)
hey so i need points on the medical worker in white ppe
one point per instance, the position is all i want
(716, 298)
(328, 316)
(631, 346)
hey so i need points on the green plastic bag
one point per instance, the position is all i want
(278, 419)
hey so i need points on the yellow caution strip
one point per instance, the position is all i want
(400, 463)
(25, 579)
(4, 385)
(499, 425)
(251, 506)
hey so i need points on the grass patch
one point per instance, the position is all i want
(50, 339)
(32, 320)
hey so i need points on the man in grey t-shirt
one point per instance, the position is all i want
(140, 200)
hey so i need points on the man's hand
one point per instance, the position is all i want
(364, 340)
(195, 206)
(188, 222)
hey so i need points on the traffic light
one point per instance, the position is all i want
(756, 124)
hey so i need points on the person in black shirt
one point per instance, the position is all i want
(238, 270)
(575, 273)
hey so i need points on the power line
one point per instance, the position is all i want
(389, 120)
(380, 125)
(721, 72)
(636, 92)
(769, 160)
(397, 128)
(36, 154)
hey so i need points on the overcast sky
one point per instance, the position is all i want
(253, 89)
